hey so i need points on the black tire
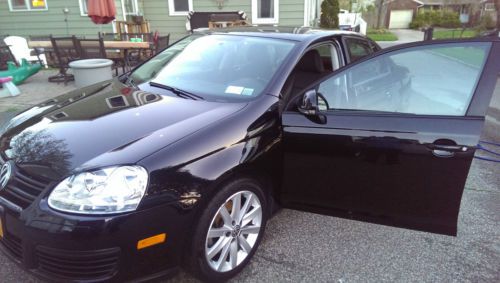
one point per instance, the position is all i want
(196, 260)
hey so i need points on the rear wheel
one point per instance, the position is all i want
(229, 231)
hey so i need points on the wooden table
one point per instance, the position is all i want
(107, 44)
(115, 50)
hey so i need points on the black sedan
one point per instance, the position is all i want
(182, 161)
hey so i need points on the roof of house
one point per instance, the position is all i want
(445, 2)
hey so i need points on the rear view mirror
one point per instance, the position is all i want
(309, 104)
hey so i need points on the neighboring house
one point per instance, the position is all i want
(488, 9)
(400, 13)
(461, 6)
(43, 17)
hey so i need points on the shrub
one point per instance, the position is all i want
(450, 19)
(486, 22)
(436, 18)
(329, 14)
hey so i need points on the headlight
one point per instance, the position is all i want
(105, 191)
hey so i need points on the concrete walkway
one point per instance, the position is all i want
(35, 90)
(404, 36)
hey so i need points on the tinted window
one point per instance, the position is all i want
(328, 56)
(430, 80)
(358, 48)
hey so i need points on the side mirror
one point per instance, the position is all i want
(309, 104)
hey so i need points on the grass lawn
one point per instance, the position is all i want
(453, 33)
(381, 35)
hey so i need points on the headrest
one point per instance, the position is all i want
(311, 62)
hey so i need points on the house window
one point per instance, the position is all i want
(265, 11)
(83, 7)
(180, 7)
(489, 7)
(27, 5)
(130, 7)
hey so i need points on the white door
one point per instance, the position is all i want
(400, 18)
(310, 13)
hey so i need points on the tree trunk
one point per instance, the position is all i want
(380, 4)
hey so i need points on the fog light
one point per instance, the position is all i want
(151, 241)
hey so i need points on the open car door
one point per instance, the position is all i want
(390, 139)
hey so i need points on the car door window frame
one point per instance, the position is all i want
(485, 84)
(357, 38)
(341, 63)
(331, 43)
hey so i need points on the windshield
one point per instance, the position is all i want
(217, 66)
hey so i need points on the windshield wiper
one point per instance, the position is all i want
(178, 92)
(129, 81)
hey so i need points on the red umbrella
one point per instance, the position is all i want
(101, 11)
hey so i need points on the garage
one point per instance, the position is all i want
(400, 19)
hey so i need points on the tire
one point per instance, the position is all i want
(231, 233)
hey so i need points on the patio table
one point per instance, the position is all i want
(124, 45)
(114, 49)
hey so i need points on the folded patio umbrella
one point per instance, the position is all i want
(101, 11)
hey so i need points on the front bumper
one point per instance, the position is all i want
(61, 247)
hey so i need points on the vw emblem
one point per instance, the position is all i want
(5, 173)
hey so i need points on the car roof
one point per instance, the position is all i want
(278, 32)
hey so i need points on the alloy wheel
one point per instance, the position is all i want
(234, 231)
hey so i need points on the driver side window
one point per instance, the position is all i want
(438, 79)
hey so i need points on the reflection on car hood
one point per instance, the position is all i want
(102, 125)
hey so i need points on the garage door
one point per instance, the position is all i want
(401, 18)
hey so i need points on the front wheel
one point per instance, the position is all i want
(229, 231)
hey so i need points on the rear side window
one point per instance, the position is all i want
(438, 79)
(358, 48)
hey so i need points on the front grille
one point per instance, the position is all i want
(78, 265)
(23, 188)
(13, 245)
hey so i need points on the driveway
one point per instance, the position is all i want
(404, 36)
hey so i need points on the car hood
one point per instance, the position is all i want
(103, 125)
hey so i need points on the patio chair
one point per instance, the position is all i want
(66, 49)
(109, 36)
(20, 49)
(133, 58)
(39, 51)
(92, 48)
(161, 43)
(119, 61)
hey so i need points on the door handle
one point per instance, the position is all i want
(450, 148)
(446, 148)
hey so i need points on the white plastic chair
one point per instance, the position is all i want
(19, 48)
